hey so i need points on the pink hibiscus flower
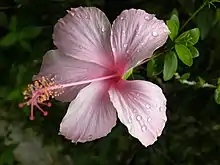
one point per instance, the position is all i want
(87, 69)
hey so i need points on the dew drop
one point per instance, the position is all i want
(73, 141)
(147, 106)
(125, 45)
(113, 49)
(59, 133)
(161, 109)
(155, 34)
(143, 128)
(134, 110)
(122, 18)
(103, 29)
(61, 21)
(147, 17)
(123, 32)
(129, 120)
(138, 50)
(90, 137)
(127, 51)
(166, 31)
(138, 118)
(149, 119)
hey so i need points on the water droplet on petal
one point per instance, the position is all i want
(138, 118)
(113, 49)
(73, 141)
(155, 34)
(70, 12)
(123, 32)
(143, 128)
(134, 110)
(103, 29)
(122, 18)
(90, 137)
(147, 106)
(166, 30)
(138, 50)
(149, 119)
(129, 120)
(161, 108)
(61, 21)
(147, 17)
(127, 51)
(125, 45)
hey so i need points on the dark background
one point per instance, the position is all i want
(192, 132)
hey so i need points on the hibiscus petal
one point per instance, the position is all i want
(67, 69)
(84, 33)
(91, 115)
(135, 36)
(141, 107)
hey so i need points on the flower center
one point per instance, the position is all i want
(45, 88)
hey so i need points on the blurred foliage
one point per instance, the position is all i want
(190, 61)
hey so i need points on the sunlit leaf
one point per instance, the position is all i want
(217, 95)
(185, 76)
(189, 38)
(173, 25)
(184, 54)
(127, 74)
(194, 51)
(170, 65)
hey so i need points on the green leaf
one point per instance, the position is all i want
(217, 95)
(184, 54)
(15, 94)
(173, 25)
(127, 74)
(194, 51)
(25, 45)
(29, 32)
(189, 38)
(3, 19)
(185, 76)
(13, 24)
(9, 39)
(170, 65)
(155, 66)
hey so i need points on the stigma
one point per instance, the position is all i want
(39, 93)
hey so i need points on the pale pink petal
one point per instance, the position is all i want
(135, 36)
(91, 115)
(141, 107)
(67, 69)
(84, 33)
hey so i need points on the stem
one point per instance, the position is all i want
(193, 83)
(194, 14)
(81, 82)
